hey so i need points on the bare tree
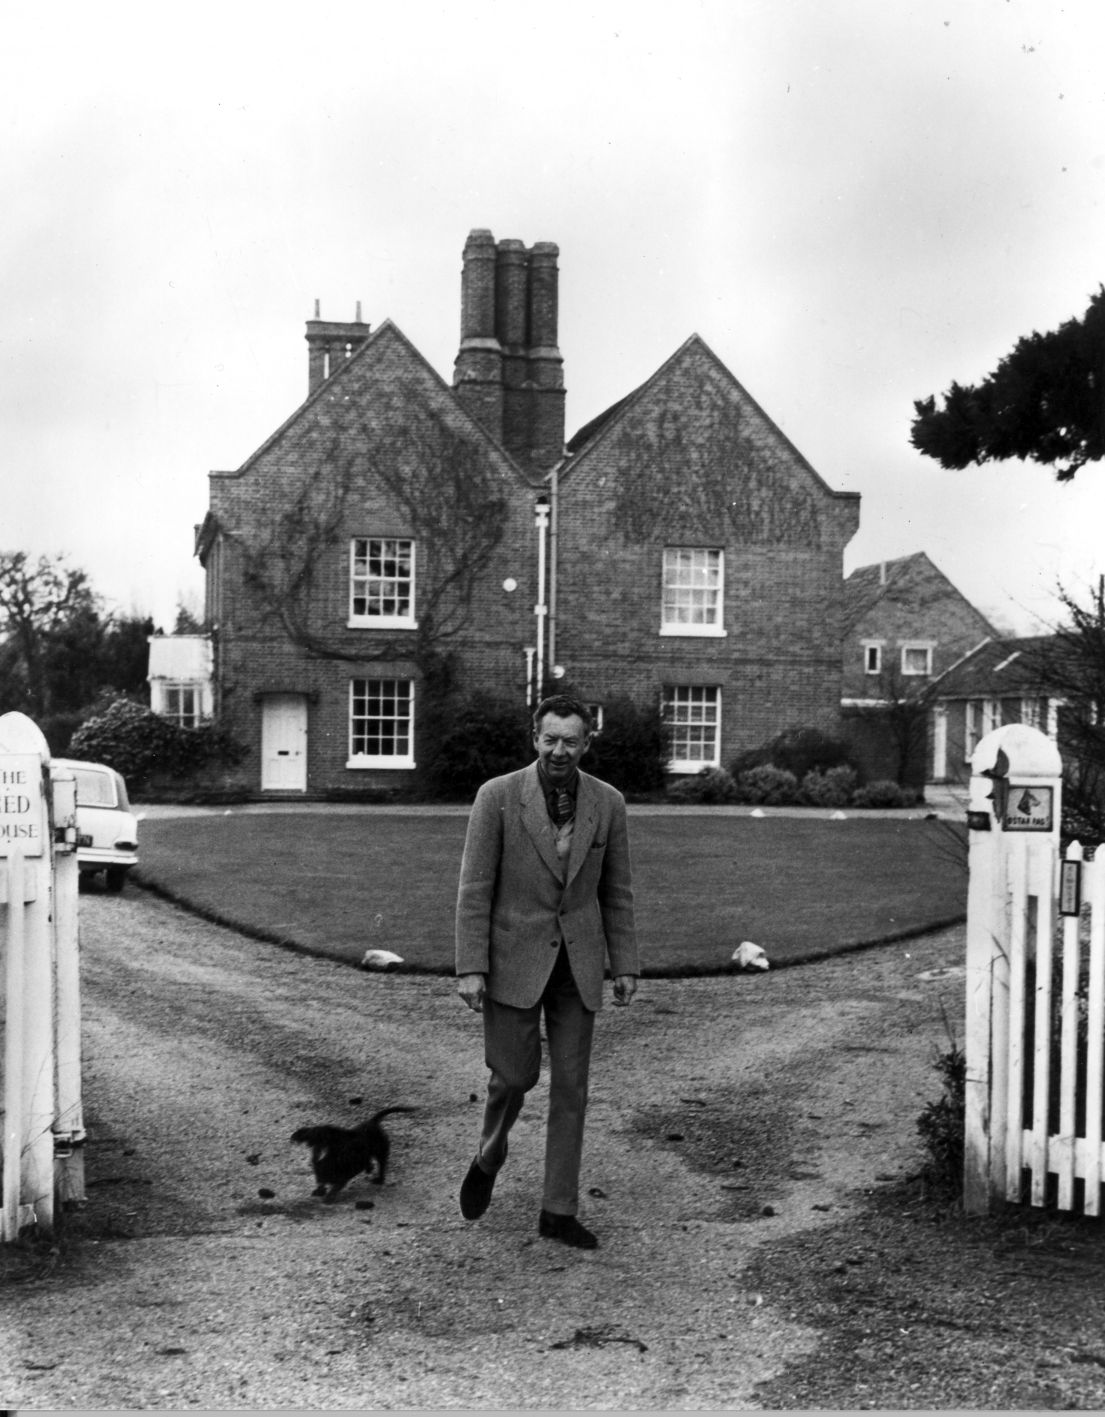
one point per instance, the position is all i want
(37, 600)
(905, 701)
(1070, 667)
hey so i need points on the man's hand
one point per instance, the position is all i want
(625, 986)
(471, 988)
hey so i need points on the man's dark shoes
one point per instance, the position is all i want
(475, 1192)
(568, 1230)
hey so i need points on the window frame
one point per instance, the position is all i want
(669, 702)
(670, 587)
(359, 585)
(182, 686)
(872, 647)
(911, 647)
(389, 761)
(989, 717)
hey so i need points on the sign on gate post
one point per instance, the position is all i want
(25, 864)
(1013, 820)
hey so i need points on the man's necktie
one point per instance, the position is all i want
(565, 808)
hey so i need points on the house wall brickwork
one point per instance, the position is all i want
(887, 606)
(382, 447)
(691, 461)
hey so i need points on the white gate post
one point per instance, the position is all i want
(1013, 816)
(28, 1077)
(69, 1134)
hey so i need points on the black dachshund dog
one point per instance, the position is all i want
(340, 1153)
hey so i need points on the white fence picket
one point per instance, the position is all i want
(1094, 890)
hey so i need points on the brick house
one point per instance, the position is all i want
(677, 550)
(998, 682)
(905, 624)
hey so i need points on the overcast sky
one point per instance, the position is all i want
(853, 202)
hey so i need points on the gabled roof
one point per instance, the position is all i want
(998, 668)
(387, 337)
(891, 580)
(600, 427)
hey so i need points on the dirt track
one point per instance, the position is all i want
(735, 1124)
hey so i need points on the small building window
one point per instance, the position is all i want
(381, 723)
(181, 704)
(692, 594)
(917, 659)
(872, 657)
(596, 717)
(982, 717)
(693, 715)
(381, 583)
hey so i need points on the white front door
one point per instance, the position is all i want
(284, 743)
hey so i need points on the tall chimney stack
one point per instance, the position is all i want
(478, 371)
(508, 372)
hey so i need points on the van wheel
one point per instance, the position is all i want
(115, 878)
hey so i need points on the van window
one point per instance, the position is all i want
(94, 789)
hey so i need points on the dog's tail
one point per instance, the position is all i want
(387, 1112)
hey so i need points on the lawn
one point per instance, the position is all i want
(801, 887)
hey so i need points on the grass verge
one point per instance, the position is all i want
(801, 888)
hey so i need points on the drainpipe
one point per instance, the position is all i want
(541, 609)
(554, 535)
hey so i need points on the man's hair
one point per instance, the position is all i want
(563, 706)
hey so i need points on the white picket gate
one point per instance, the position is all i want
(43, 1127)
(1035, 1025)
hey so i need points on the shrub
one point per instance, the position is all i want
(142, 745)
(479, 737)
(883, 793)
(770, 785)
(942, 1124)
(631, 752)
(797, 750)
(711, 785)
(833, 788)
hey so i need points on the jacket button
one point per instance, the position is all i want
(554, 943)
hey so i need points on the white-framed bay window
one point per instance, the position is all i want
(693, 591)
(381, 723)
(182, 704)
(382, 583)
(692, 713)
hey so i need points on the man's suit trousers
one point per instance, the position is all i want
(512, 1042)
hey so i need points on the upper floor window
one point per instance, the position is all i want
(693, 715)
(917, 659)
(693, 586)
(381, 583)
(381, 723)
(872, 656)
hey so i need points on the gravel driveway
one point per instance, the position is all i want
(750, 1145)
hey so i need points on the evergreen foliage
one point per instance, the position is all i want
(1045, 401)
(143, 746)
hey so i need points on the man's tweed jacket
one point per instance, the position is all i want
(516, 902)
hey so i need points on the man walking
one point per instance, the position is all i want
(545, 898)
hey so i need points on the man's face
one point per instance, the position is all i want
(560, 743)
